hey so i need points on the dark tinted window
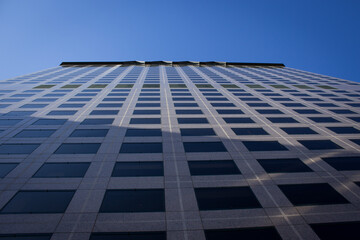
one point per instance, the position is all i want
(143, 133)
(356, 119)
(282, 120)
(344, 130)
(18, 148)
(145, 121)
(263, 233)
(226, 198)
(284, 165)
(89, 133)
(332, 231)
(323, 119)
(104, 112)
(222, 104)
(312, 194)
(138, 169)
(186, 105)
(34, 133)
(141, 148)
(204, 147)
(139, 200)
(319, 144)
(71, 105)
(9, 122)
(192, 120)
(39, 202)
(58, 170)
(238, 120)
(298, 130)
(306, 111)
(197, 132)
(147, 105)
(264, 146)
(215, 167)
(269, 111)
(249, 131)
(34, 236)
(342, 111)
(50, 122)
(146, 112)
(344, 163)
(61, 113)
(189, 112)
(129, 236)
(97, 121)
(19, 113)
(78, 148)
(229, 111)
(5, 168)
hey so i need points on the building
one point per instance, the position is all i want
(179, 150)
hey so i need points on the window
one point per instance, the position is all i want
(356, 141)
(50, 122)
(34, 133)
(186, 105)
(355, 119)
(19, 113)
(330, 231)
(138, 169)
(79, 100)
(342, 111)
(104, 112)
(129, 236)
(269, 111)
(282, 120)
(146, 112)
(195, 111)
(141, 148)
(264, 146)
(9, 122)
(293, 104)
(306, 111)
(143, 133)
(33, 105)
(38, 202)
(192, 120)
(62, 170)
(147, 105)
(284, 165)
(145, 121)
(214, 167)
(78, 148)
(139, 200)
(238, 120)
(33, 236)
(97, 121)
(204, 147)
(197, 132)
(226, 198)
(249, 131)
(18, 148)
(229, 111)
(243, 233)
(222, 104)
(323, 119)
(344, 163)
(5, 168)
(61, 113)
(298, 130)
(312, 194)
(89, 133)
(319, 144)
(71, 105)
(258, 104)
(344, 130)
(109, 105)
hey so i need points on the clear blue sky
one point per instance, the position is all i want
(321, 36)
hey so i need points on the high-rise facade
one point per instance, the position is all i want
(179, 150)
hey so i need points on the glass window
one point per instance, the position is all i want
(71, 105)
(33, 105)
(319, 144)
(312, 194)
(355, 119)
(282, 120)
(9, 122)
(344, 130)
(109, 105)
(63, 113)
(50, 122)
(214, 167)
(258, 104)
(306, 111)
(97, 121)
(89, 133)
(238, 120)
(229, 111)
(264, 146)
(19, 113)
(226, 198)
(78, 148)
(104, 112)
(298, 130)
(18, 148)
(145, 121)
(323, 119)
(129, 236)
(204, 147)
(222, 104)
(34, 133)
(33, 236)
(143, 132)
(342, 111)
(146, 112)
(284, 165)
(141, 147)
(249, 131)
(62, 170)
(192, 120)
(147, 105)
(138, 169)
(5, 168)
(195, 111)
(139, 200)
(344, 163)
(357, 141)
(243, 233)
(338, 230)
(28, 202)
(197, 132)
(186, 105)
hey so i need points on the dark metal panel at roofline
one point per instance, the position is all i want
(175, 63)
